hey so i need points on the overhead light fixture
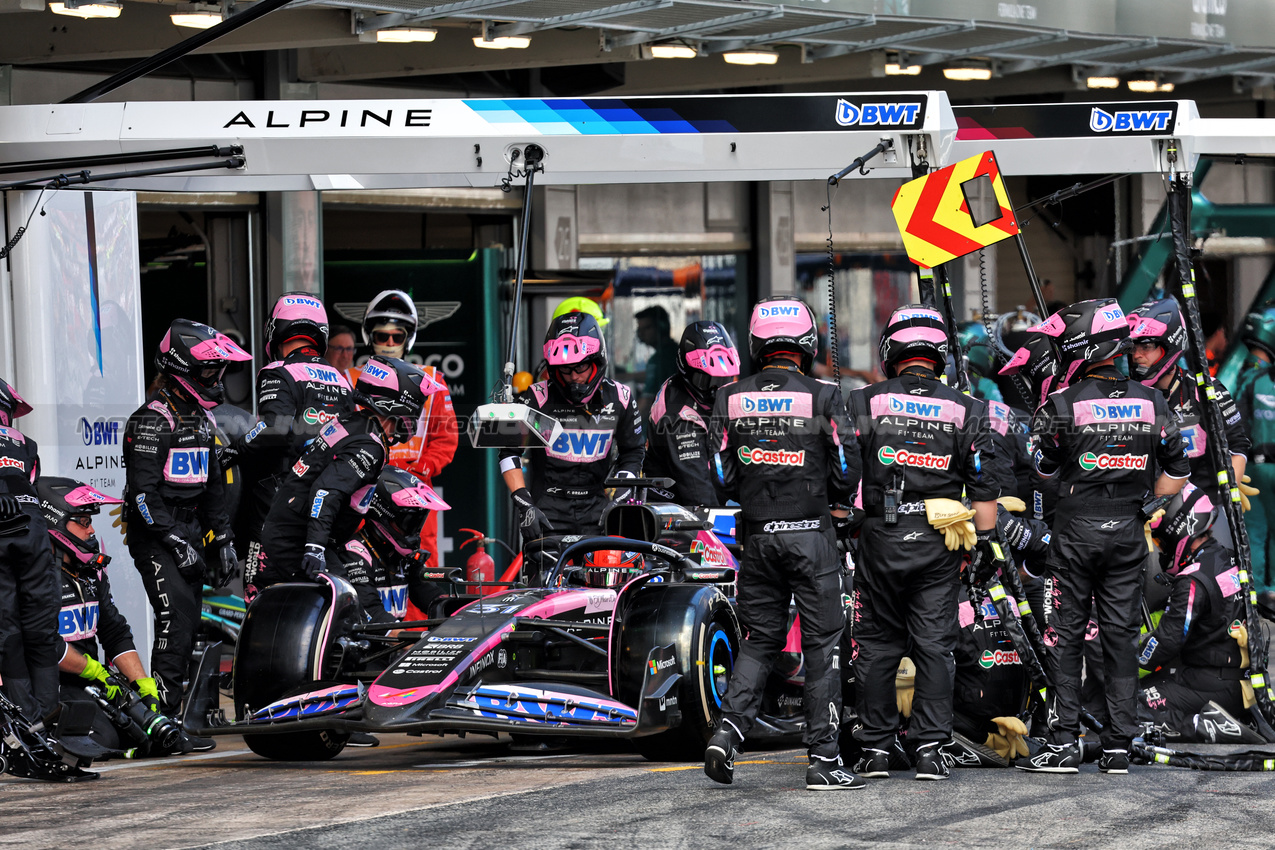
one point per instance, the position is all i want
(967, 72)
(406, 35)
(1149, 86)
(1102, 82)
(504, 42)
(100, 9)
(673, 51)
(751, 57)
(197, 20)
(894, 69)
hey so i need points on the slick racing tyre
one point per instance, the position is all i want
(700, 623)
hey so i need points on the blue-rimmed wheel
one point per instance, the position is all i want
(707, 635)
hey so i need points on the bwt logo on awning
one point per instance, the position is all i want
(1140, 121)
(876, 114)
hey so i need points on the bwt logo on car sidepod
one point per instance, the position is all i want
(914, 408)
(876, 114)
(99, 433)
(991, 658)
(1089, 461)
(1102, 121)
(888, 455)
(780, 457)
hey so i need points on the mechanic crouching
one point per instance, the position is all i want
(320, 503)
(89, 618)
(923, 444)
(1197, 654)
(787, 454)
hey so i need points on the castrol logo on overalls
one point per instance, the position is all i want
(1089, 461)
(888, 455)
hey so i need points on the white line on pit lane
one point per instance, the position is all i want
(165, 762)
(495, 760)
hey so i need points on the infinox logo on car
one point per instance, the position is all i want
(1089, 461)
(889, 455)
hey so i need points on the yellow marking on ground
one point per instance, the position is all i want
(699, 766)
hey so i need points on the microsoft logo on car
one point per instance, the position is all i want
(1090, 461)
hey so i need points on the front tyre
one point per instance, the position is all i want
(706, 633)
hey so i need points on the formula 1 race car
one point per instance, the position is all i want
(628, 636)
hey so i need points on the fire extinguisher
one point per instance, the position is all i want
(479, 566)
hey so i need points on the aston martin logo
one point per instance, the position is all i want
(427, 312)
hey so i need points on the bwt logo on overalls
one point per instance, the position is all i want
(100, 433)
(1117, 412)
(871, 114)
(187, 465)
(584, 443)
(767, 405)
(914, 408)
(1102, 121)
(318, 373)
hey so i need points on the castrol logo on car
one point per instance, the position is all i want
(903, 457)
(1089, 461)
(780, 457)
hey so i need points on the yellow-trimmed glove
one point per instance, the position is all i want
(95, 673)
(120, 522)
(1246, 490)
(905, 686)
(954, 520)
(1013, 504)
(1146, 530)
(1011, 731)
(1239, 631)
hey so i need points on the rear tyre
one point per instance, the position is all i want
(700, 622)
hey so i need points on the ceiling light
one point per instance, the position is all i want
(1102, 82)
(751, 57)
(101, 9)
(965, 73)
(894, 69)
(405, 35)
(673, 51)
(504, 42)
(1149, 86)
(196, 20)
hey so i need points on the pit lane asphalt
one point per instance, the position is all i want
(475, 793)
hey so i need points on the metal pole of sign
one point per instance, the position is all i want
(532, 155)
(1031, 273)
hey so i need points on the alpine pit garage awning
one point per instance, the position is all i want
(422, 143)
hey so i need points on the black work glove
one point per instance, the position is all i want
(619, 495)
(228, 559)
(531, 520)
(314, 561)
(9, 506)
(187, 556)
(988, 558)
(227, 456)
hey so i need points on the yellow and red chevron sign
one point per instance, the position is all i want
(934, 216)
